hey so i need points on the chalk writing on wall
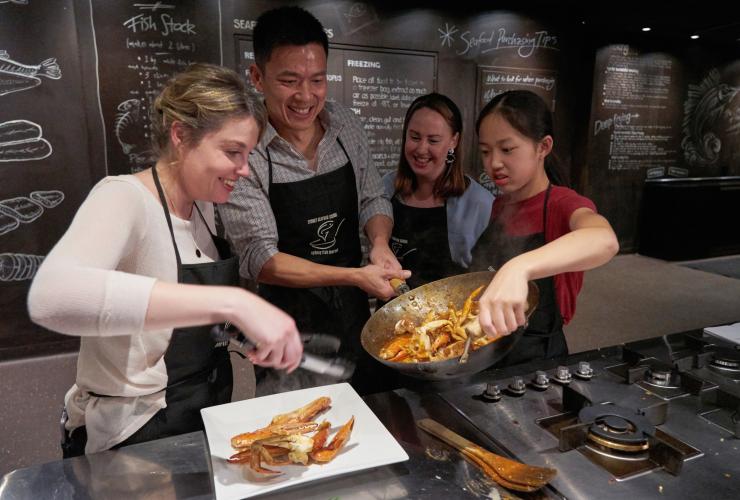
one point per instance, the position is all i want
(145, 44)
(493, 80)
(633, 123)
(499, 38)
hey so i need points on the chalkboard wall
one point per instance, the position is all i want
(50, 149)
(657, 114)
(141, 46)
(77, 78)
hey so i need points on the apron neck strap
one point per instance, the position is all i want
(544, 212)
(269, 170)
(163, 201)
(204, 220)
(269, 162)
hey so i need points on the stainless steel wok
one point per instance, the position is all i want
(436, 296)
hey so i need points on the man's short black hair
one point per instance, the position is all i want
(286, 26)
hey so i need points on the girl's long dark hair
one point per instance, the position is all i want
(530, 116)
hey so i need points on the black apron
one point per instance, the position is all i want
(198, 370)
(317, 219)
(543, 338)
(421, 244)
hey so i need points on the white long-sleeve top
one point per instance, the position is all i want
(96, 283)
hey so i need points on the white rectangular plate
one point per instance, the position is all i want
(371, 445)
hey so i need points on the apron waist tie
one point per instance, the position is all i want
(206, 374)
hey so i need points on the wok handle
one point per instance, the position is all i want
(400, 286)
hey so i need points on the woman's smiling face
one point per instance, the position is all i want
(428, 138)
(211, 168)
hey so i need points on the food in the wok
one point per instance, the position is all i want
(440, 335)
(286, 440)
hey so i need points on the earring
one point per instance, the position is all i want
(450, 157)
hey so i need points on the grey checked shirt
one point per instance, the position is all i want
(247, 216)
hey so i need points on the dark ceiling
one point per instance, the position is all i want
(716, 22)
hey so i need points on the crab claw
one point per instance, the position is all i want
(241, 457)
(255, 460)
(304, 413)
(395, 347)
(320, 437)
(325, 455)
(468, 305)
(241, 441)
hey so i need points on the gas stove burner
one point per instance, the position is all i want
(617, 431)
(662, 378)
(725, 360)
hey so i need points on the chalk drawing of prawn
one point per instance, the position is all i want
(707, 102)
(15, 77)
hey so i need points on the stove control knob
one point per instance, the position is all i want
(540, 380)
(517, 387)
(492, 393)
(562, 375)
(584, 371)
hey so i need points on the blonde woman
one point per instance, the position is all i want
(141, 277)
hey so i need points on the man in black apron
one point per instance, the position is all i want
(198, 370)
(296, 220)
(316, 220)
(543, 336)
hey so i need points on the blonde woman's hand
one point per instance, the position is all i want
(272, 331)
(503, 305)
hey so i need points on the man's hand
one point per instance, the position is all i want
(375, 280)
(381, 255)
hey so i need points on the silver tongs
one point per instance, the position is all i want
(336, 367)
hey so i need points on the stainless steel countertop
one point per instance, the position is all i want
(179, 467)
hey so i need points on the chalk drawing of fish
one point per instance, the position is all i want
(128, 115)
(17, 2)
(26, 209)
(21, 140)
(703, 110)
(19, 266)
(15, 76)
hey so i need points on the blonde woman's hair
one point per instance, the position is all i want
(203, 98)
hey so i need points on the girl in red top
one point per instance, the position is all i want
(539, 230)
